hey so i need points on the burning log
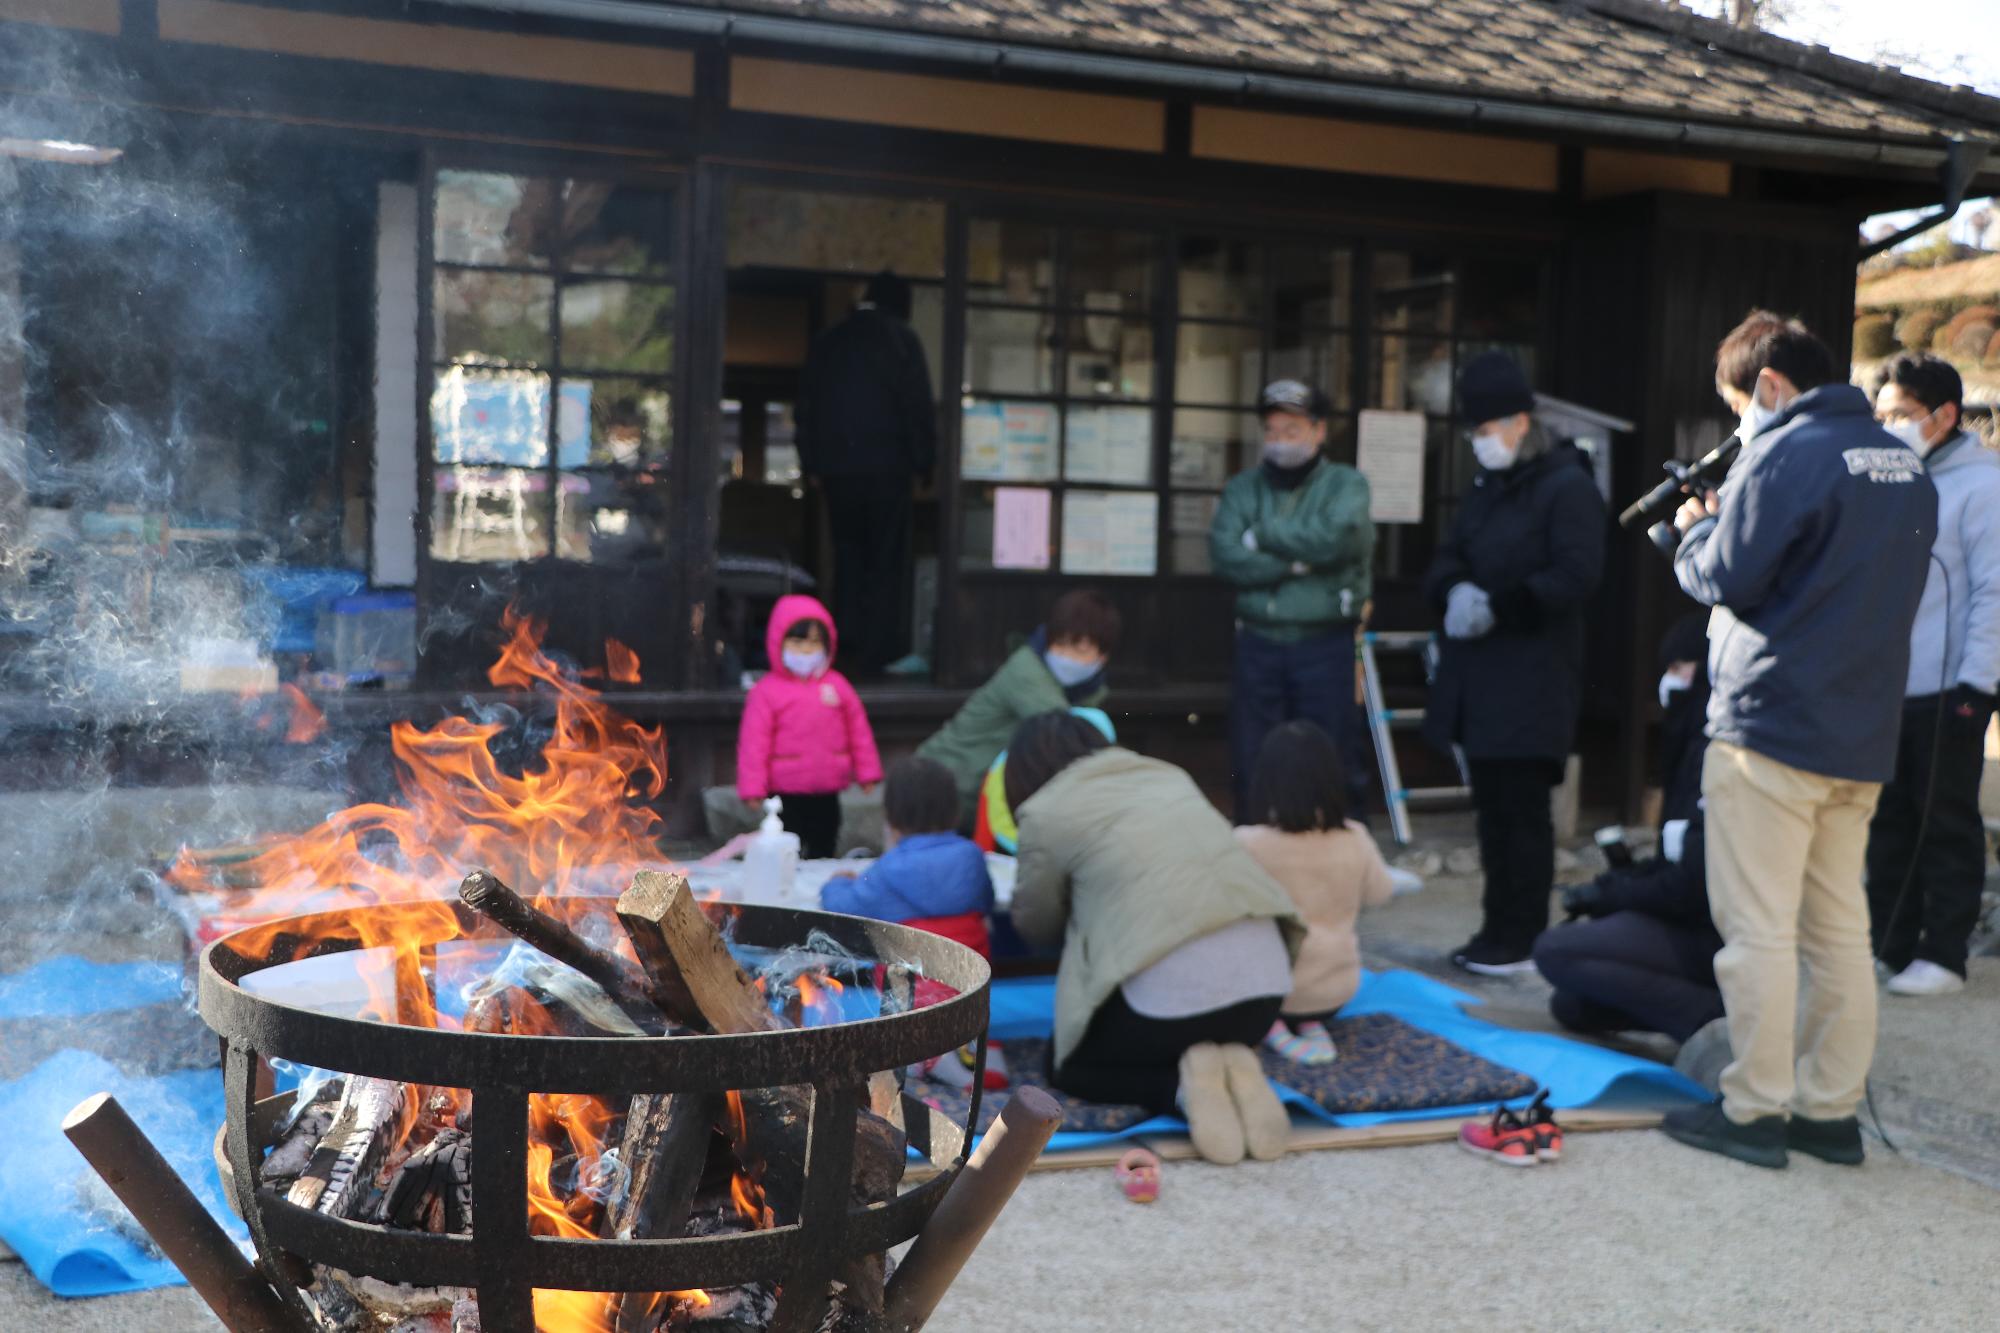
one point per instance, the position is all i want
(289, 1160)
(465, 1315)
(682, 950)
(366, 1126)
(665, 1148)
(483, 892)
(432, 1189)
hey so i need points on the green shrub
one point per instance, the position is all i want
(1874, 337)
(1970, 343)
(1968, 317)
(1914, 329)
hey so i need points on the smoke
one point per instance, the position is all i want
(168, 452)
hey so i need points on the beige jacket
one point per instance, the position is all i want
(1123, 860)
(1331, 875)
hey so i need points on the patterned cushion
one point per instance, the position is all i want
(1385, 1064)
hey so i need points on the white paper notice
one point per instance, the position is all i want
(1020, 528)
(1003, 441)
(1110, 444)
(1390, 453)
(1109, 532)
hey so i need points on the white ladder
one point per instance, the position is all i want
(1382, 721)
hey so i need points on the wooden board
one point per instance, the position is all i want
(1315, 1138)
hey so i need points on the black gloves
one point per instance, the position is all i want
(1515, 608)
(1586, 899)
(1968, 704)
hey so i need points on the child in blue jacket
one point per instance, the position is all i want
(930, 877)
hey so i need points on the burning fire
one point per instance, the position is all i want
(555, 825)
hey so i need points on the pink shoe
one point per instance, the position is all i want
(1138, 1174)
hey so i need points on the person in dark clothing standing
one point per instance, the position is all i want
(867, 428)
(1523, 555)
(1643, 956)
(1927, 842)
(1294, 536)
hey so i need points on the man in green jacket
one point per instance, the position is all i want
(1294, 536)
(1061, 666)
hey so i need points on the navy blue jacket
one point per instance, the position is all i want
(930, 874)
(1814, 564)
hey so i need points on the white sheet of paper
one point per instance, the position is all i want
(1389, 451)
(1108, 532)
(1020, 528)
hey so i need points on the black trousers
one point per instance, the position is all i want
(1126, 1058)
(870, 517)
(816, 819)
(1517, 847)
(1273, 683)
(1923, 898)
(1631, 971)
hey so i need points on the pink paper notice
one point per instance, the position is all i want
(1020, 528)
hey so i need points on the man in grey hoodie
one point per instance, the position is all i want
(1926, 870)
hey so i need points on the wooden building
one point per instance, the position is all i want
(506, 300)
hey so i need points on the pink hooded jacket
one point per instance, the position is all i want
(807, 737)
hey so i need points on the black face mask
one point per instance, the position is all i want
(1288, 478)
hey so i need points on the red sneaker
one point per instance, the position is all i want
(1548, 1134)
(1506, 1139)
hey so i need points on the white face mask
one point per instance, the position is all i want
(1067, 670)
(1289, 454)
(804, 665)
(1493, 452)
(1670, 685)
(1756, 417)
(1912, 434)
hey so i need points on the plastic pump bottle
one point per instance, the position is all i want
(771, 865)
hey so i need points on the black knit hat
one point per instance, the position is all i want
(889, 293)
(1492, 386)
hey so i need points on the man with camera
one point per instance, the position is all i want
(1927, 846)
(1813, 554)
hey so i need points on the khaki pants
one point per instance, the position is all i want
(1785, 851)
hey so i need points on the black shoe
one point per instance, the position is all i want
(1492, 960)
(1836, 1141)
(1760, 1143)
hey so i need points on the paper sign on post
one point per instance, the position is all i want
(1390, 453)
(1020, 528)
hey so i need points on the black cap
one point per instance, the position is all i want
(1301, 400)
(1492, 386)
(889, 293)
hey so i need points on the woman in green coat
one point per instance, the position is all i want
(1177, 948)
(1062, 664)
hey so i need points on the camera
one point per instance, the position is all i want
(1617, 851)
(1654, 511)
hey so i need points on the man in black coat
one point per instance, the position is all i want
(1524, 555)
(867, 429)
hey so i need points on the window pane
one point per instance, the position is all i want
(611, 516)
(623, 229)
(1010, 351)
(1210, 447)
(1411, 375)
(1321, 359)
(610, 325)
(1111, 270)
(1109, 444)
(1313, 284)
(485, 317)
(1110, 357)
(489, 514)
(781, 449)
(1218, 363)
(490, 417)
(485, 218)
(1189, 517)
(1010, 261)
(1411, 293)
(774, 226)
(614, 423)
(1500, 298)
(1221, 279)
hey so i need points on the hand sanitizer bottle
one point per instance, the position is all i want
(771, 865)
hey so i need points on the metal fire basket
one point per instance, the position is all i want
(501, 1259)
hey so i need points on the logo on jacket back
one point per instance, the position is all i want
(1890, 465)
(828, 695)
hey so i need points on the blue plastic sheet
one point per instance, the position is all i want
(66, 986)
(1575, 1073)
(45, 1215)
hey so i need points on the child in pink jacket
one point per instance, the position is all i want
(804, 737)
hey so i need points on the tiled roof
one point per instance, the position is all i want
(1639, 56)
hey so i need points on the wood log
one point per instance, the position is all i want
(366, 1126)
(465, 1315)
(289, 1160)
(432, 1189)
(483, 892)
(767, 1127)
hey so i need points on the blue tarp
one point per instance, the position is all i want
(1575, 1073)
(66, 986)
(46, 1217)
